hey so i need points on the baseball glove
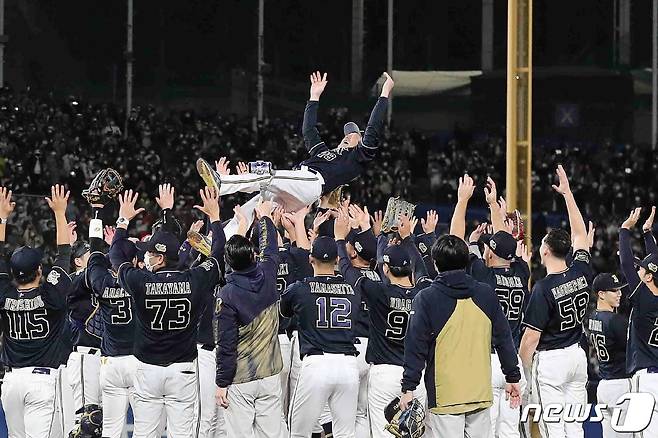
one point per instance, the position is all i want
(199, 242)
(395, 208)
(405, 424)
(91, 423)
(518, 230)
(105, 186)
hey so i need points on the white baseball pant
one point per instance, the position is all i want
(475, 424)
(117, 380)
(83, 370)
(560, 376)
(65, 401)
(504, 420)
(291, 189)
(254, 409)
(362, 422)
(286, 355)
(175, 389)
(643, 381)
(325, 378)
(608, 392)
(30, 403)
(295, 367)
(383, 386)
(211, 423)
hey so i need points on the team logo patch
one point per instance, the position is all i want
(218, 305)
(160, 247)
(614, 278)
(652, 267)
(492, 244)
(387, 259)
(53, 277)
(358, 246)
(582, 257)
(422, 247)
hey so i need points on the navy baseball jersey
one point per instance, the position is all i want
(34, 321)
(293, 266)
(642, 346)
(362, 318)
(86, 327)
(558, 304)
(511, 286)
(606, 332)
(341, 165)
(169, 304)
(325, 307)
(424, 244)
(116, 305)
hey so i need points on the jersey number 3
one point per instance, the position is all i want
(336, 315)
(176, 310)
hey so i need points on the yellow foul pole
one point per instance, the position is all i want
(519, 109)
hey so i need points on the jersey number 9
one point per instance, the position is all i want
(336, 315)
(397, 321)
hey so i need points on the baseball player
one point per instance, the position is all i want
(452, 327)
(37, 337)
(168, 306)
(83, 366)
(325, 306)
(509, 276)
(606, 331)
(553, 320)
(248, 354)
(325, 170)
(117, 363)
(425, 240)
(642, 347)
(389, 304)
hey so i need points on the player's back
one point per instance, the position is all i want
(34, 322)
(389, 307)
(116, 307)
(642, 350)
(293, 266)
(607, 334)
(326, 308)
(362, 318)
(168, 306)
(558, 304)
(511, 287)
(85, 322)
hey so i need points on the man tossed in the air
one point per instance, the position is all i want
(321, 173)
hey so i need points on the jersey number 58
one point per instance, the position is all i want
(572, 310)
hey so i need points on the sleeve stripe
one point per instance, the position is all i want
(310, 151)
(368, 147)
(531, 326)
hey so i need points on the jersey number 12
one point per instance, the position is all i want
(336, 315)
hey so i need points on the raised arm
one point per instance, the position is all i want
(375, 128)
(58, 202)
(210, 207)
(497, 214)
(6, 209)
(268, 245)
(407, 226)
(464, 193)
(579, 238)
(647, 231)
(626, 259)
(312, 140)
(341, 228)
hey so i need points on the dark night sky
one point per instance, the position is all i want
(192, 42)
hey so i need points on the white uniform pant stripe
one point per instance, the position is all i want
(608, 392)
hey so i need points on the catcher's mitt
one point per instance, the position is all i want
(199, 242)
(518, 230)
(91, 423)
(405, 424)
(105, 186)
(395, 208)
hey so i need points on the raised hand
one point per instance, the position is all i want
(321, 218)
(165, 198)
(466, 188)
(478, 232)
(73, 234)
(222, 166)
(359, 216)
(406, 226)
(563, 182)
(264, 209)
(591, 232)
(341, 225)
(243, 224)
(490, 192)
(59, 198)
(242, 168)
(377, 220)
(429, 223)
(210, 206)
(523, 251)
(108, 234)
(6, 204)
(388, 85)
(632, 218)
(648, 224)
(277, 215)
(127, 203)
(196, 226)
(318, 82)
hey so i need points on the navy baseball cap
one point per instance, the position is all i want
(324, 249)
(25, 261)
(350, 128)
(126, 249)
(396, 256)
(650, 263)
(363, 243)
(502, 244)
(606, 281)
(79, 249)
(165, 243)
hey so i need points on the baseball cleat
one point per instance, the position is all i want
(208, 174)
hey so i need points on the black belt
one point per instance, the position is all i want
(321, 353)
(91, 351)
(652, 370)
(36, 370)
(207, 347)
